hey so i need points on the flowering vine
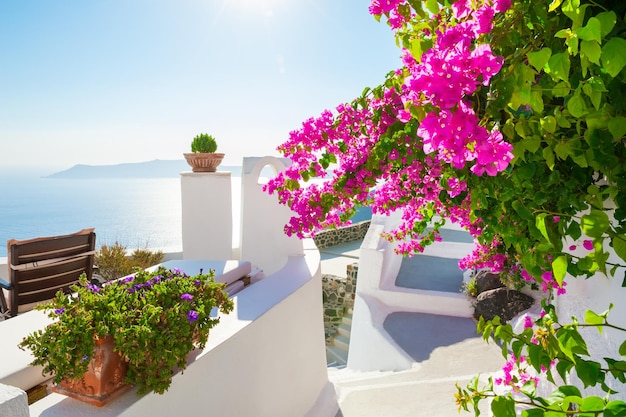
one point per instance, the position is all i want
(508, 118)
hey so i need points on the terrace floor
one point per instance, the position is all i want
(446, 349)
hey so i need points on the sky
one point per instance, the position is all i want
(102, 82)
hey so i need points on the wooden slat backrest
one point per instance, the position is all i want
(40, 267)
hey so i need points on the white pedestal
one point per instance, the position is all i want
(207, 215)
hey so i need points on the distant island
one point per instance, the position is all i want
(150, 169)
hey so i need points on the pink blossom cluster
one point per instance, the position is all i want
(486, 256)
(375, 163)
(546, 281)
(446, 75)
(516, 374)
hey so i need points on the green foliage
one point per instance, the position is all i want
(114, 262)
(470, 288)
(560, 100)
(156, 319)
(204, 143)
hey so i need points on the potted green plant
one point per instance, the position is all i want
(203, 156)
(151, 320)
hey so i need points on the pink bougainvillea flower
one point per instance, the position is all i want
(378, 7)
(588, 244)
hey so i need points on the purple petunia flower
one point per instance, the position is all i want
(192, 316)
(59, 311)
(187, 297)
(93, 288)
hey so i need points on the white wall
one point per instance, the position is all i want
(263, 240)
(266, 358)
(596, 294)
(207, 215)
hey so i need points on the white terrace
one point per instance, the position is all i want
(411, 338)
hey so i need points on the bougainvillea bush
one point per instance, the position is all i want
(507, 117)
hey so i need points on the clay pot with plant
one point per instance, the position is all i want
(203, 156)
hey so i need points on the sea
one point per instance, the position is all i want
(135, 212)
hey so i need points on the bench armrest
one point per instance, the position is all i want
(4, 284)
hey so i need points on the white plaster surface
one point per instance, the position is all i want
(246, 368)
(263, 241)
(377, 296)
(13, 402)
(207, 219)
(14, 367)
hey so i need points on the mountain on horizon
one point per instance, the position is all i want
(150, 169)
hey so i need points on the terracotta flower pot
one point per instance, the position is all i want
(105, 379)
(204, 162)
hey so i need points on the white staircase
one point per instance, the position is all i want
(337, 349)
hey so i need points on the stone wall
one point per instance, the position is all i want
(345, 234)
(338, 298)
(338, 292)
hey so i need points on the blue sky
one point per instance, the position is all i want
(105, 82)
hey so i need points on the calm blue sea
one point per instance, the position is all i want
(134, 212)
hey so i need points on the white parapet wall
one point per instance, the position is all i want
(263, 240)
(266, 358)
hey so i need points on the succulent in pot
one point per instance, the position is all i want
(203, 156)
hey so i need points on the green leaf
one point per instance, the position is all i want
(540, 58)
(593, 318)
(548, 124)
(619, 245)
(576, 104)
(540, 223)
(607, 21)
(615, 408)
(614, 56)
(536, 101)
(559, 268)
(588, 372)
(617, 127)
(592, 31)
(576, 12)
(595, 224)
(571, 343)
(503, 406)
(432, 6)
(562, 392)
(559, 66)
(574, 230)
(622, 348)
(533, 412)
(548, 155)
(554, 5)
(592, 403)
(591, 50)
(562, 89)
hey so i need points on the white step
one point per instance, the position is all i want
(341, 342)
(344, 330)
(347, 319)
(335, 356)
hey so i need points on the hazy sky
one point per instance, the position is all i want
(111, 81)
